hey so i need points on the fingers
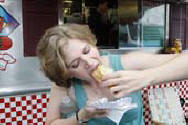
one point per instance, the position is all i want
(95, 113)
(112, 75)
(119, 94)
(101, 115)
(115, 82)
(101, 111)
(119, 91)
(110, 82)
(125, 90)
(115, 89)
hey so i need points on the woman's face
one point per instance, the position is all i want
(81, 59)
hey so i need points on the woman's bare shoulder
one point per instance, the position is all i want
(58, 102)
(65, 96)
(68, 103)
(58, 93)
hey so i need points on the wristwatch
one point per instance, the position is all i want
(79, 120)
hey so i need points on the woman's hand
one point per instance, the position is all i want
(121, 83)
(89, 112)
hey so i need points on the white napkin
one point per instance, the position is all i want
(117, 108)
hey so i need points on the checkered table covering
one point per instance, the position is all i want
(31, 109)
(24, 109)
(183, 93)
(183, 88)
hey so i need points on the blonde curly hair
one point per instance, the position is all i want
(50, 50)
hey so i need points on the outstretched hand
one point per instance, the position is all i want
(121, 83)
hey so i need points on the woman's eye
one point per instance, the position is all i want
(86, 50)
(75, 64)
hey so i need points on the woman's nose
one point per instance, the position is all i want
(87, 60)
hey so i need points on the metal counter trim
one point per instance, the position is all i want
(15, 91)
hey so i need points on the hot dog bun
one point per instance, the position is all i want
(100, 71)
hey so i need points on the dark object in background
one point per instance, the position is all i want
(128, 11)
(93, 3)
(99, 23)
(99, 28)
(38, 15)
(182, 101)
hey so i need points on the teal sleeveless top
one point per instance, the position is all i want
(131, 117)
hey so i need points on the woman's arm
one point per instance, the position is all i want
(162, 67)
(141, 60)
(53, 112)
(142, 69)
(172, 70)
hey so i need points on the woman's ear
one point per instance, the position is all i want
(70, 75)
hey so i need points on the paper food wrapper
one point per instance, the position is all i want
(117, 108)
(165, 106)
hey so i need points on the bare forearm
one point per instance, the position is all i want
(175, 69)
(73, 120)
(68, 121)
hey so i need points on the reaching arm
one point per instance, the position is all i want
(142, 60)
(162, 67)
(142, 69)
(173, 70)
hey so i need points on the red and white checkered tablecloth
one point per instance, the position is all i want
(24, 109)
(31, 109)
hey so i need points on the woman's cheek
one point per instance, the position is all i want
(96, 54)
(82, 75)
